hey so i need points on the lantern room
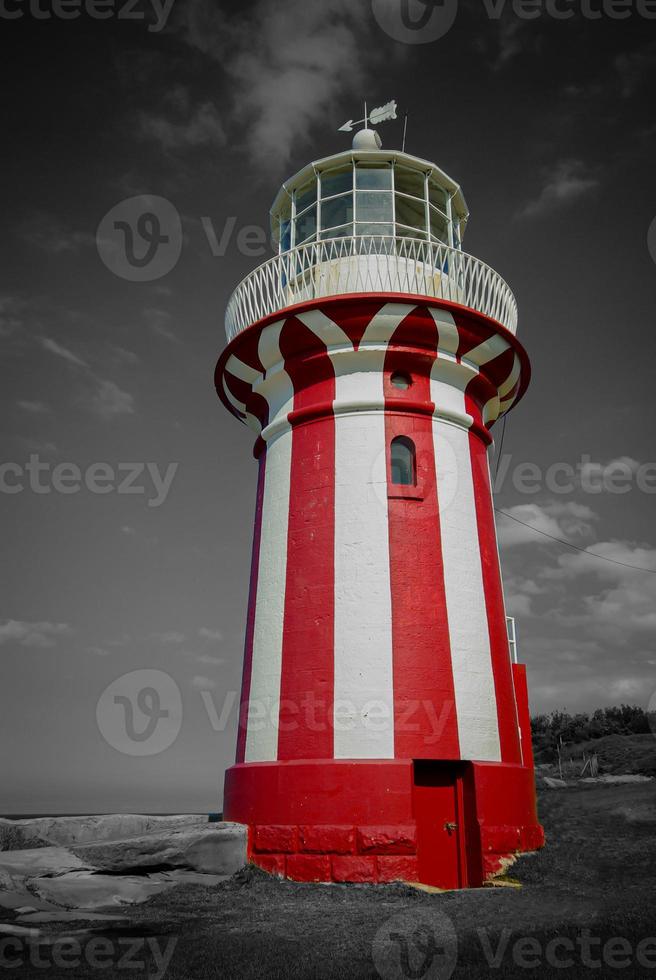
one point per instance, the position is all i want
(368, 191)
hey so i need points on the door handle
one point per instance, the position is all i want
(450, 827)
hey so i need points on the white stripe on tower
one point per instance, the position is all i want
(476, 707)
(262, 729)
(363, 680)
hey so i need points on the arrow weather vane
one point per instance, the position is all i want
(379, 115)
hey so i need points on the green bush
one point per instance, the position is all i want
(549, 730)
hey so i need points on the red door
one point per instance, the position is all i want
(437, 797)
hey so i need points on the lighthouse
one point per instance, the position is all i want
(384, 730)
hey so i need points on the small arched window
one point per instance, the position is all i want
(404, 464)
(400, 380)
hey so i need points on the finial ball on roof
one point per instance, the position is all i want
(367, 139)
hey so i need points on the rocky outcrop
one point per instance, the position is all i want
(50, 884)
(214, 849)
(42, 831)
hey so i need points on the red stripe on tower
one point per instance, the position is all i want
(306, 686)
(425, 724)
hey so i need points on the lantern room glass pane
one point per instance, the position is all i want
(343, 232)
(306, 195)
(437, 196)
(411, 212)
(285, 236)
(403, 232)
(439, 226)
(337, 211)
(373, 206)
(403, 463)
(373, 178)
(306, 226)
(410, 182)
(361, 228)
(336, 182)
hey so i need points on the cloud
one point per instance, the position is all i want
(158, 321)
(98, 652)
(205, 658)
(510, 42)
(634, 66)
(169, 638)
(63, 352)
(567, 181)
(207, 634)
(520, 593)
(200, 683)
(623, 602)
(284, 82)
(34, 408)
(51, 235)
(570, 521)
(105, 399)
(42, 448)
(203, 128)
(10, 321)
(109, 401)
(125, 356)
(41, 634)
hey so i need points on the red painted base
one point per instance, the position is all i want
(450, 824)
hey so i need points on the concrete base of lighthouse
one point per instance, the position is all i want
(448, 823)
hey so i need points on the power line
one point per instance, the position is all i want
(503, 435)
(584, 551)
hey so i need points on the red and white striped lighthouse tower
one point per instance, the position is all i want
(384, 731)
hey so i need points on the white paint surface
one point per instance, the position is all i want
(262, 731)
(476, 707)
(364, 688)
(363, 605)
(266, 671)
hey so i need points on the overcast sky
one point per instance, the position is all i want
(547, 125)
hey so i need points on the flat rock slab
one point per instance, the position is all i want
(39, 861)
(626, 778)
(22, 899)
(65, 915)
(13, 929)
(218, 848)
(15, 834)
(84, 890)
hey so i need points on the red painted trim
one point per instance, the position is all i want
(336, 791)
(357, 306)
(286, 804)
(461, 820)
(307, 678)
(523, 712)
(494, 604)
(425, 723)
(250, 619)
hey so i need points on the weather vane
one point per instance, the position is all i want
(379, 115)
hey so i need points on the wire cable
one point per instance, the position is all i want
(584, 551)
(503, 436)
